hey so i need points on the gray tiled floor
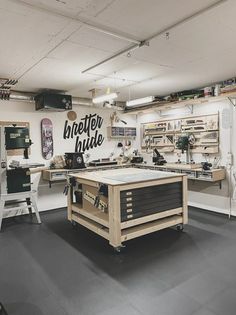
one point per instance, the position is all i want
(55, 269)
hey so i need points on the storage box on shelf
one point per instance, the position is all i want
(121, 132)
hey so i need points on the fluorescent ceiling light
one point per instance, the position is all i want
(104, 98)
(140, 101)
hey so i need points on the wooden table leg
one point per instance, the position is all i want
(69, 203)
(114, 216)
(185, 200)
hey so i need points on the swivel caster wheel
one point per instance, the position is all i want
(118, 249)
(74, 224)
(180, 227)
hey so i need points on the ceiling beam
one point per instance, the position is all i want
(122, 52)
(159, 33)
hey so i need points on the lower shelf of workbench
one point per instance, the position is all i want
(150, 227)
(99, 222)
(95, 215)
(91, 225)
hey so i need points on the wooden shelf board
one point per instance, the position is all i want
(177, 104)
(163, 145)
(150, 227)
(152, 217)
(91, 225)
(217, 174)
(174, 132)
(187, 167)
(115, 137)
(94, 215)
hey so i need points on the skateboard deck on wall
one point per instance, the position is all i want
(47, 138)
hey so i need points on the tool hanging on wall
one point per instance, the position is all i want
(115, 118)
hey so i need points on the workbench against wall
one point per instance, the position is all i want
(127, 202)
(163, 134)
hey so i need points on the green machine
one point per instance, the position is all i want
(185, 143)
(16, 178)
(17, 138)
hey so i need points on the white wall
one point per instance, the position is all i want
(205, 195)
(51, 198)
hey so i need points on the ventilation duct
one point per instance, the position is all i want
(81, 101)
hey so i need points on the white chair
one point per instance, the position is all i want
(21, 200)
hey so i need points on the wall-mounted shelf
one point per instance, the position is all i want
(57, 175)
(121, 132)
(193, 171)
(177, 104)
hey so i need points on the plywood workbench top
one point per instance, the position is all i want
(124, 176)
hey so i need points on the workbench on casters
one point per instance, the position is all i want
(122, 204)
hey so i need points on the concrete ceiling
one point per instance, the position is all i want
(46, 45)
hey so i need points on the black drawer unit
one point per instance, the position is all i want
(136, 203)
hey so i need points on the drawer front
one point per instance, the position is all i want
(140, 202)
(140, 193)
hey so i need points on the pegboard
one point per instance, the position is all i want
(163, 134)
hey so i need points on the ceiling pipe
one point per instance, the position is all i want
(161, 32)
(22, 96)
(81, 101)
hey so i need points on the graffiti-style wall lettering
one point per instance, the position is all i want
(90, 126)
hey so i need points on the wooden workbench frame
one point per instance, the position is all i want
(109, 225)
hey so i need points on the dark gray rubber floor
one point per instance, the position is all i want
(54, 269)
